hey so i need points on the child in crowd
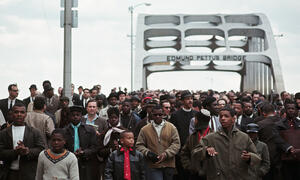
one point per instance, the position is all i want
(259, 171)
(126, 162)
(57, 162)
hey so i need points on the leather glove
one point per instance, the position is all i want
(152, 157)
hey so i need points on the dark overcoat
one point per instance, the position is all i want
(88, 163)
(28, 163)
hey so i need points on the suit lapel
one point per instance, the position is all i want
(25, 137)
(10, 139)
(6, 104)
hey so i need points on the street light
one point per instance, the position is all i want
(131, 9)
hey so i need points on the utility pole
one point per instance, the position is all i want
(68, 20)
(67, 48)
(131, 9)
(131, 46)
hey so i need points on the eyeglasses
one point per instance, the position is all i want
(14, 90)
(157, 114)
(167, 107)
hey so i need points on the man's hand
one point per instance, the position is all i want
(152, 157)
(211, 151)
(161, 157)
(116, 145)
(97, 133)
(292, 150)
(21, 149)
(79, 152)
(245, 156)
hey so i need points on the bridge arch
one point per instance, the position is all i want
(210, 39)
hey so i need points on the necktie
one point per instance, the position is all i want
(76, 137)
(127, 172)
(10, 106)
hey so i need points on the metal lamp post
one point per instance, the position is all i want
(131, 9)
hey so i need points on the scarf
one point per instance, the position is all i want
(108, 134)
(127, 172)
(200, 136)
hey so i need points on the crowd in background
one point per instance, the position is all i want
(149, 134)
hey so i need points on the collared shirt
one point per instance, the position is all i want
(76, 136)
(13, 101)
(213, 123)
(84, 101)
(187, 110)
(158, 127)
(2, 119)
(32, 99)
(17, 135)
(88, 122)
(239, 120)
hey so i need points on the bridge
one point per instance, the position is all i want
(242, 43)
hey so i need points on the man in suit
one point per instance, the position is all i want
(31, 98)
(85, 97)
(20, 146)
(80, 92)
(268, 133)
(75, 97)
(241, 121)
(8, 103)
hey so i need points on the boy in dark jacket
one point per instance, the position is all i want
(81, 140)
(259, 171)
(126, 163)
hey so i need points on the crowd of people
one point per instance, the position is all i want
(149, 134)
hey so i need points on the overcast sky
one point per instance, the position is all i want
(31, 43)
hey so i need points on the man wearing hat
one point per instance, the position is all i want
(146, 120)
(81, 140)
(181, 120)
(135, 104)
(30, 99)
(257, 172)
(52, 100)
(201, 129)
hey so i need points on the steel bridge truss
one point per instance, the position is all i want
(242, 44)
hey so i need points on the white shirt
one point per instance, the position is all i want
(213, 123)
(2, 119)
(158, 127)
(239, 120)
(32, 99)
(11, 101)
(187, 110)
(84, 102)
(17, 135)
